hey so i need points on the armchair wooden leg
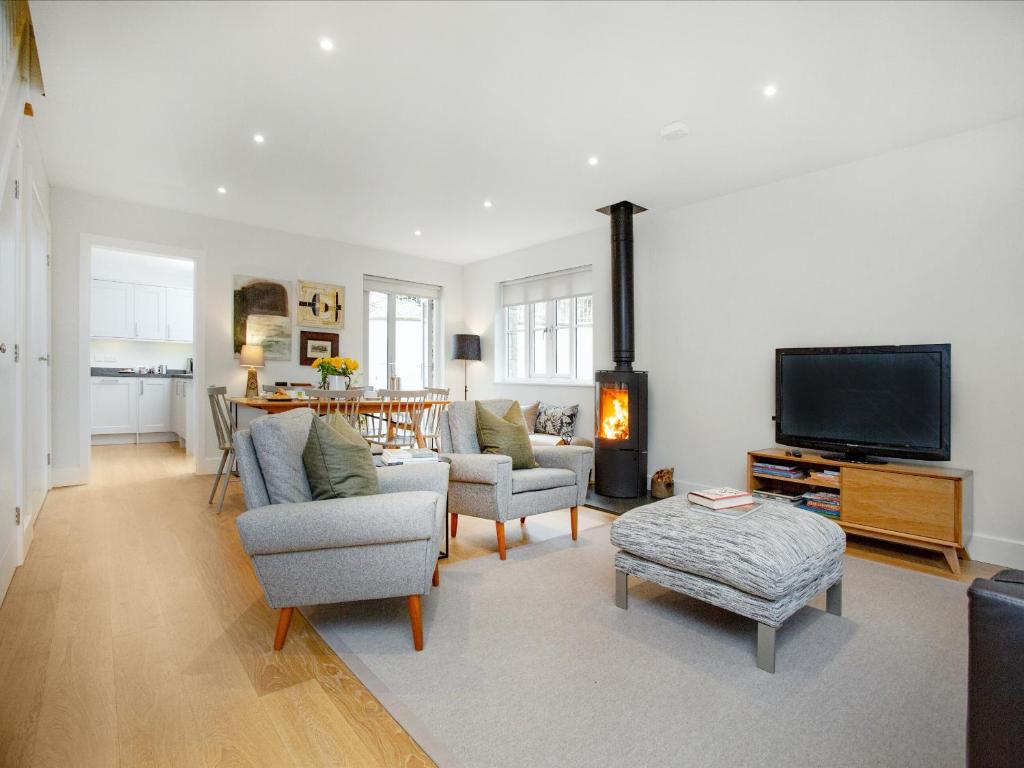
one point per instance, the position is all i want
(284, 620)
(500, 529)
(455, 524)
(574, 521)
(437, 575)
(522, 521)
(416, 618)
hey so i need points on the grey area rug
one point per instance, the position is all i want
(529, 663)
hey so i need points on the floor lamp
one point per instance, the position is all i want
(465, 347)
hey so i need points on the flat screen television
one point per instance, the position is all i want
(865, 401)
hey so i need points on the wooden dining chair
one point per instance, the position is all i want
(222, 424)
(392, 424)
(341, 401)
(431, 424)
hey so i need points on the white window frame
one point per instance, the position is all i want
(371, 283)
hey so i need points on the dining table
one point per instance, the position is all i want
(368, 406)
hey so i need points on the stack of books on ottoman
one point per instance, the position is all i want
(726, 502)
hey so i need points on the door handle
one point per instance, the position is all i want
(3, 348)
(44, 358)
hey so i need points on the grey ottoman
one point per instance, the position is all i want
(765, 566)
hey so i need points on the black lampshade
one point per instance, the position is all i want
(465, 346)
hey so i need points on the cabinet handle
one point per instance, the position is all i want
(136, 327)
(142, 386)
(168, 330)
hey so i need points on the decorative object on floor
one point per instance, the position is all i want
(465, 347)
(345, 367)
(262, 316)
(556, 420)
(901, 651)
(309, 552)
(317, 344)
(485, 485)
(251, 357)
(662, 485)
(321, 304)
(775, 561)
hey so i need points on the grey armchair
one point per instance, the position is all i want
(339, 550)
(485, 485)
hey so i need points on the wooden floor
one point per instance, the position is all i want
(136, 634)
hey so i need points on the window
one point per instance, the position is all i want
(401, 333)
(549, 327)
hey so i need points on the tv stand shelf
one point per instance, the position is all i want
(917, 505)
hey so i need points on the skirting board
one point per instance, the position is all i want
(64, 476)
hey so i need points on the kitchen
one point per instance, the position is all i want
(141, 348)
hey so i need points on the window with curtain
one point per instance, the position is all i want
(549, 327)
(400, 337)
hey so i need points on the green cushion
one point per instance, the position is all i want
(338, 462)
(505, 436)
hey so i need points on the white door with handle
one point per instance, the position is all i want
(37, 395)
(155, 405)
(9, 304)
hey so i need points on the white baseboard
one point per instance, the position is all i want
(62, 476)
(130, 439)
(996, 550)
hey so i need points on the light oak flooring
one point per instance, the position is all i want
(136, 634)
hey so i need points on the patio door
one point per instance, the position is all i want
(401, 339)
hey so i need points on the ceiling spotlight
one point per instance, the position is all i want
(770, 90)
(592, 160)
(675, 130)
(326, 43)
(222, 190)
(258, 138)
(488, 204)
(417, 233)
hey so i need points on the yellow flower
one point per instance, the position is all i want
(316, 363)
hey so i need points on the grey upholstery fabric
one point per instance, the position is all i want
(536, 502)
(458, 424)
(249, 471)
(540, 479)
(576, 458)
(479, 467)
(279, 440)
(770, 553)
(770, 612)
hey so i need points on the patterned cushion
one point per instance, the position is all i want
(770, 553)
(557, 420)
(279, 440)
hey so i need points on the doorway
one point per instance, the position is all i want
(10, 304)
(37, 360)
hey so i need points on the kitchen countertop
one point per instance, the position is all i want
(172, 373)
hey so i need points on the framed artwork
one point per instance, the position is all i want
(321, 305)
(314, 344)
(262, 315)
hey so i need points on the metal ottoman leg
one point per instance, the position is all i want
(622, 589)
(834, 599)
(766, 647)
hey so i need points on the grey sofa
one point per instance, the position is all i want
(312, 552)
(485, 485)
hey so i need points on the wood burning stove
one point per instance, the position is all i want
(620, 444)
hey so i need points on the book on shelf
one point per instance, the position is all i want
(794, 473)
(720, 498)
(785, 498)
(393, 456)
(818, 511)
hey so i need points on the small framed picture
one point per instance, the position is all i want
(314, 344)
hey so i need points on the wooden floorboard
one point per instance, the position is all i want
(136, 634)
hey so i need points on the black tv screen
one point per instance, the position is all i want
(885, 401)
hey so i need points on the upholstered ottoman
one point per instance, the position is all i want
(765, 566)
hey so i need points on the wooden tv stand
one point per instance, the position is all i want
(921, 506)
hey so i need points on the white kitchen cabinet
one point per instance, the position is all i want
(114, 405)
(112, 310)
(155, 405)
(179, 314)
(150, 302)
(181, 411)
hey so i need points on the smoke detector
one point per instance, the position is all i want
(675, 130)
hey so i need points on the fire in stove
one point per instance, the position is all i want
(614, 413)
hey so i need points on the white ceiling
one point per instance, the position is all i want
(423, 110)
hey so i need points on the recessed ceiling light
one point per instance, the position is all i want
(326, 43)
(488, 204)
(675, 130)
(417, 233)
(258, 138)
(222, 190)
(770, 90)
(592, 160)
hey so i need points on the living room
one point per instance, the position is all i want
(827, 178)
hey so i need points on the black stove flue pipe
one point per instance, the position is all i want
(623, 346)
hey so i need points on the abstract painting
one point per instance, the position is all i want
(321, 305)
(263, 316)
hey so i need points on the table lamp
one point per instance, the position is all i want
(251, 357)
(465, 347)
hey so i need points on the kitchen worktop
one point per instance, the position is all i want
(172, 373)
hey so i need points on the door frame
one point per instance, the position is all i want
(87, 242)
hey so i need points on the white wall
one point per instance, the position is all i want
(228, 249)
(117, 353)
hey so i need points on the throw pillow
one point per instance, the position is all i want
(338, 462)
(557, 420)
(505, 436)
(279, 440)
(530, 414)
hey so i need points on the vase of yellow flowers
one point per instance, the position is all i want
(344, 367)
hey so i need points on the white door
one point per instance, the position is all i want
(37, 360)
(155, 405)
(9, 301)
(150, 302)
(111, 310)
(179, 314)
(115, 405)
